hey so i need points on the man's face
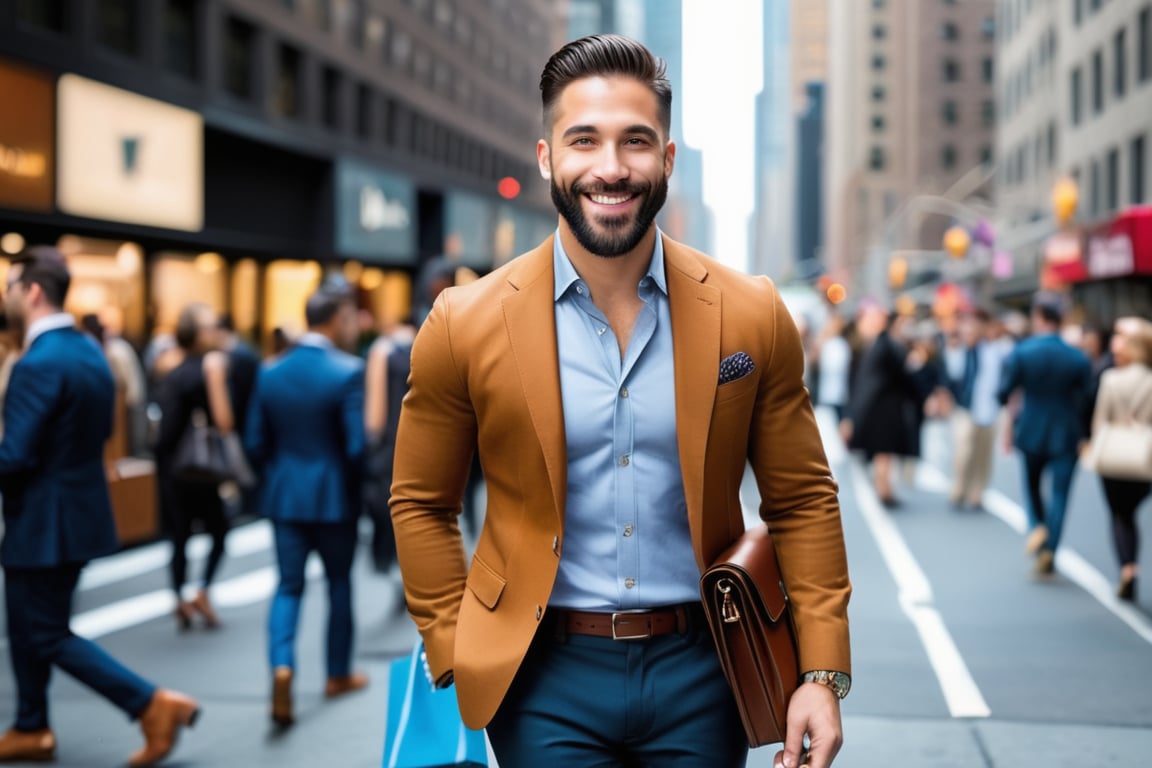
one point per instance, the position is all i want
(608, 162)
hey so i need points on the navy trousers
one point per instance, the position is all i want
(593, 702)
(39, 605)
(336, 545)
(1051, 514)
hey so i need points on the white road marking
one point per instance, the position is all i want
(1069, 562)
(243, 540)
(960, 691)
(236, 592)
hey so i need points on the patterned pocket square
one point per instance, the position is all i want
(735, 367)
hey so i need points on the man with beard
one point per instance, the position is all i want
(615, 384)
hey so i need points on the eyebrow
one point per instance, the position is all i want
(643, 130)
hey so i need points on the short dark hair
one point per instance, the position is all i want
(188, 325)
(323, 305)
(46, 267)
(1049, 306)
(601, 56)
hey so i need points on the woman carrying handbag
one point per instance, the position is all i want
(1122, 440)
(197, 388)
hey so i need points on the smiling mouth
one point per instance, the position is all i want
(609, 199)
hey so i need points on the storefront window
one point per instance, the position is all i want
(107, 281)
(287, 285)
(179, 279)
(245, 291)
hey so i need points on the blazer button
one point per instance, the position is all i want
(539, 613)
(556, 545)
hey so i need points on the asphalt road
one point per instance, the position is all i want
(962, 658)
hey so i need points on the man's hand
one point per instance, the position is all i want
(813, 712)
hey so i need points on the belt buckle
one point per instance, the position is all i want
(644, 634)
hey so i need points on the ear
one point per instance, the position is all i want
(669, 157)
(544, 159)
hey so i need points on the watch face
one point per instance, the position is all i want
(841, 682)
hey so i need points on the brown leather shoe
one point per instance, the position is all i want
(338, 686)
(282, 697)
(205, 609)
(28, 746)
(161, 722)
(1045, 563)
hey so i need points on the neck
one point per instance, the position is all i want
(608, 276)
(39, 313)
(326, 333)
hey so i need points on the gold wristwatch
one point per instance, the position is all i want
(838, 682)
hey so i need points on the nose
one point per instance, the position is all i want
(610, 167)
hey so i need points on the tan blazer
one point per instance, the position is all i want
(485, 373)
(1125, 395)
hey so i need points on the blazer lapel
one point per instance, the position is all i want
(530, 317)
(695, 310)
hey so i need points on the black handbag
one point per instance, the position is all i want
(203, 455)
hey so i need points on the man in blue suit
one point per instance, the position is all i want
(57, 516)
(1056, 381)
(306, 432)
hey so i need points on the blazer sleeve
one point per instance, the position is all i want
(255, 439)
(33, 390)
(353, 416)
(799, 502)
(434, 445)
(1009, 377)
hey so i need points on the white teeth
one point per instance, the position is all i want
(606, 200)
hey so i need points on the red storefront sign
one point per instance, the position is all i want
(1121, 247)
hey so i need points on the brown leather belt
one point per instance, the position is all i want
(629, 625)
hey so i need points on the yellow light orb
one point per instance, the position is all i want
(1065, 196)
(897, 272)
(837, 293)
(956, 242)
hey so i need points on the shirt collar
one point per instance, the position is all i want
(313, 339)
(53, 322)
(566, 274)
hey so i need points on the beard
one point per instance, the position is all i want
(615, 235)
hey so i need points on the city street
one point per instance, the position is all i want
(962, 658)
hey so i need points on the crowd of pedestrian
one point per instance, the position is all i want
(1046, 386)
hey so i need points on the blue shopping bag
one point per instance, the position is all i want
(424, 729)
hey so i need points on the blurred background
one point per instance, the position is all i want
(927, 153)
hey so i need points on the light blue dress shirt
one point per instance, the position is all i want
(626, 539)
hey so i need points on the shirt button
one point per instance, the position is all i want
(624, 392)
(625, 461)
(601, 331)
(629, 583)
(628, 530)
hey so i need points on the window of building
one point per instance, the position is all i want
(876, 159)
(878, 93)
(988, 27)
(1112, 180)
(1144, 44)
(286, 92)
(949, 112)
(51, 15)
(180, 37)
(878, 123)
(948, 157)
(949, 30)
(443, 14)
(1098, 82)
(1077, 11)
(330, 97)
(365, 101)
(988, 113)
(117, 25)
(1094, 188)
(1075, 93)
(878, 4)
(1136, 172)
(1120, 63)
(401, 51)
(988, 69)
(951, 70)
(1052, 144)
(239, 39)
(986, 154)
(879, 32)
(878, 62)
(463, 30)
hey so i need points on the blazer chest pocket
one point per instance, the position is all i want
(485, 584)
(740, 386)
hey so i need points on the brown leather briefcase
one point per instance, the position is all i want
(747, 610)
